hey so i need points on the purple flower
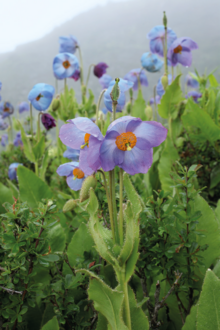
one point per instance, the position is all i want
(157, 98)
(105, 81)
(195, 95)
(100, 69)
(72, 154)
(180, 51)
(12, 171)
(159, 88)
(41, 96)
(133, 77)
(76, 75)
(74, 174)
(68, 44)
(191, 82)
(48, 121)
(128, 144)
(65, 65)
(124, 85)
(157, 35)
(6, 109)
(4, 140)
(151, 62)
(23, 107)
(17, 141)
(3, 124)
(82, 134)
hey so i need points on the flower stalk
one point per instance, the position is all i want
(98, 105)
(165, 43)
(121, 220)
(31, 120)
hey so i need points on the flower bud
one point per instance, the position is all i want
(115, 93)
(164, 19)
(164, 81)
(55, 104)
(149, 112)
(128, 107)
(89, 182)
(69, 205)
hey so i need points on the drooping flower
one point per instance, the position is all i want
(4, 140)
(6, 109)
(48, 121)
(159, 88)
(157, 36)
(12, 171)
(157, 99)
(124, 85)
(82, 134)
(195, 95)
(72, 154)
(191, 82)
(76, 75)
(105, 81)
(100, 69)
(68, 44)
(18, 141)
(41, 96)
(3, 124)
(180, 51)
(23, 107)
(128, 144)
(134, 75)
(151, 62)
(65, 65)
(74, 174)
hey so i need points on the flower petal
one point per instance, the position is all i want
(152, 131)
(71, 136)
(137, 161)
(83, 161)
(67, 168)
(74, 184)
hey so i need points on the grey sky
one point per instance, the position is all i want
(26, 20)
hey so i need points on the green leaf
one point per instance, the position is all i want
(44, 165)
(190, 323)
(5, 196)
(208, 316)
(138, 108)
(102, 323)
(170, 98)
(49, 258)
(39, 148)
(51, 325)
(132, 196)
(32, 189)
(27, 145)
(197, 117)
(138, 319)
(130, 265)
(215, 177)
(213, 81)
(216, 269)
(92, 206)
(80, 243)
(13, 188)
(56, 238)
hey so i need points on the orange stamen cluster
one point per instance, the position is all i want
(6, 110)
(38, 97)
(86, 139)
(79, 174)
(178, 49)
(66, 64)
(126, 141)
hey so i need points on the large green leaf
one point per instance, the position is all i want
(170, 98)
(129, 236)
(138, 319)
(197, 117)
(190, 323)
(26, 144)
(138, 108)
(132, 196)
(32, 189)
(102, 323)
(5, 196)
(208, 316)
(51, 325)
(39, 148)
(13, 188)
(56, 238)
(215, 176)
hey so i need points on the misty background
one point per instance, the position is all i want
(115, 34)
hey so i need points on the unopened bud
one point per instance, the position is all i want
(115, 91)
(89, 182)
(128, 107)
(164, 19)
(164, 81)
(69, 205)
(149, 112)
(55, 104)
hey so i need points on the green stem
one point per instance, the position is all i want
(131, 100)
(36, 168)
(81, 75)
(114, 105)
(155, 104)
(98, 105)
(113, 203)
(56, 85)
(126, 305)
(165, 51)
(64, 85)
(31, 120)
(172, 69)
(38, 127)
(88, 75)
(121, 220)
(11, 129)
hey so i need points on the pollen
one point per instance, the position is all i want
(86, 139)
(78, 174)
(178, 49)
(38, 97)
(6, 109)
(66, 64)
(126, 141)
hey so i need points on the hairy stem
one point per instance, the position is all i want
(31, 120)
(98, 105)
(121, 236)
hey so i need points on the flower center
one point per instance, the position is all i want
(66, 64)
(86, 139)
(6, 109)
(178, 49)
(38, 97)
(78, 174)
(126, 141)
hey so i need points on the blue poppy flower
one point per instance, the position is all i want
(124, 85)
(100, 69)
(180, 51)
(23, 107)
(41, 96)
(105, 81)
(195, 95)
(133, 77)
(74, 175)
(72, 154)
(157, 35)
(3, 124)
(4, 140)
(159, 88)
(151, 62)
(6, 109)
(65, 65)
(191, 82)
(68, 44)
(12, 171)
(17, 141)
